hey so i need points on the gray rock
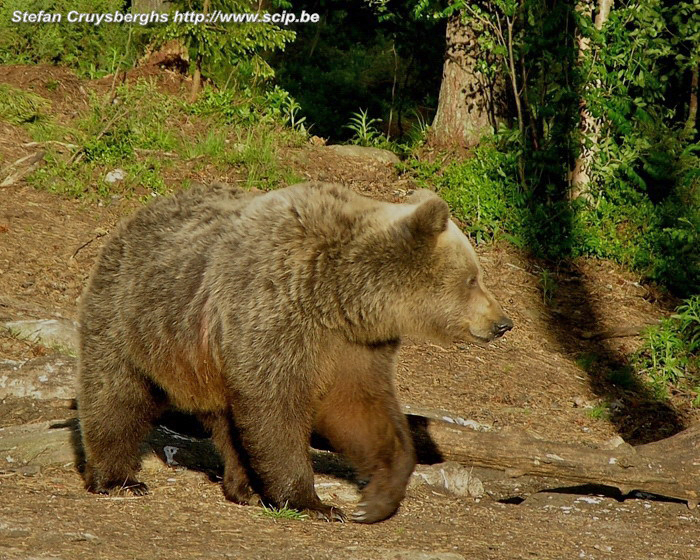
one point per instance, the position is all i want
(115, 176)
(449, 477)
(35, 444)
(334, 490)
(43, 378)
(376, 154)
(62, 334)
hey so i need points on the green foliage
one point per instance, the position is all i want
(112, 131)
(418, 133)
(390, 66)
(250, 106)
(147, 133)
(658, 239)
(365, 132)
(282, 105)
(92, 50)
(482, 191)
(223, 47)
(256, 149)
(670, 356)
(633, 79)
(548, 286)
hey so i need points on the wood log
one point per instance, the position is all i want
(618, 332)
(670, 467)
(23, 167)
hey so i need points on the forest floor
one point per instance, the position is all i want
(547, 376)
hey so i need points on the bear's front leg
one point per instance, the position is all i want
(365, 423)
(276, 441)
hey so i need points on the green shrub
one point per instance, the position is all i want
(658, 239)
(92, 50)
(670, 356)
(364, 129)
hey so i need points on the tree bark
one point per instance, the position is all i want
(467, 102)
(590, 128)
(197, 78)
(145, 6)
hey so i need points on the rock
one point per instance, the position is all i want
(377, 154)
(35, 444)
(330, 491)
(61, 334)
(450, 477)
(43, 378)
(115, 176)
(29, 470)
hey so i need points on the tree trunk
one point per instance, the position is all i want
(590, 128)
(197, 78)
(145, 6)
(467, 103)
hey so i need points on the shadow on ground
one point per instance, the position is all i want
(638, 415)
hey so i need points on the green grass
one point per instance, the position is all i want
(548, 286)
(600, 411)
(587, 361)
(132, 133)
(22, 107)
(283, 513)
(211, 144)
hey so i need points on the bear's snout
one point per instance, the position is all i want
(502, 326)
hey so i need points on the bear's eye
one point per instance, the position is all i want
(471, 282)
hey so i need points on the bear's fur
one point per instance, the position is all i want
(272, 315)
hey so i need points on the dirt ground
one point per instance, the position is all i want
(531, 379)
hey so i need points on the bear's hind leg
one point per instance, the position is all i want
(117, 407)
(236, 485)
(367, 426)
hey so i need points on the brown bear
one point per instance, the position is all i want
(272, 315)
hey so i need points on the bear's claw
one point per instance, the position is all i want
(330, 514)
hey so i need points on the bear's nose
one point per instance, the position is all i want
(502, 326)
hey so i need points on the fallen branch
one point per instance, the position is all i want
(97, 236)
(618, 332)
(50, 142)
(24, 166)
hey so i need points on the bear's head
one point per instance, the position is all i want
(444, 295)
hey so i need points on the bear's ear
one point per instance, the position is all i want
(419, 195)
(428, 220)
